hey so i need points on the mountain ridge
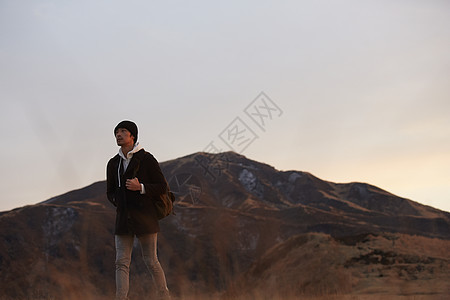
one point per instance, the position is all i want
(232, 216)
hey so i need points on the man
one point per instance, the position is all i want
(134, 179)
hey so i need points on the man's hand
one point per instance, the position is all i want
(133, 184)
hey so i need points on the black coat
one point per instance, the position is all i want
(136, 213)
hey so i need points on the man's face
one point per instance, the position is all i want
(123, 137)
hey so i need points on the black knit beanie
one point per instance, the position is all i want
(130, 126)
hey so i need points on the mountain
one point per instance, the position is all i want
(242, 230)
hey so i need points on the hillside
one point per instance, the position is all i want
(242, 229)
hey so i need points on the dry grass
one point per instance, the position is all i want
(262, 296)
(310, 267)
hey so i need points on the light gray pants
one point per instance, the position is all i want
(124, 248)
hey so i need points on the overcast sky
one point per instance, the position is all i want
(353, 90)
